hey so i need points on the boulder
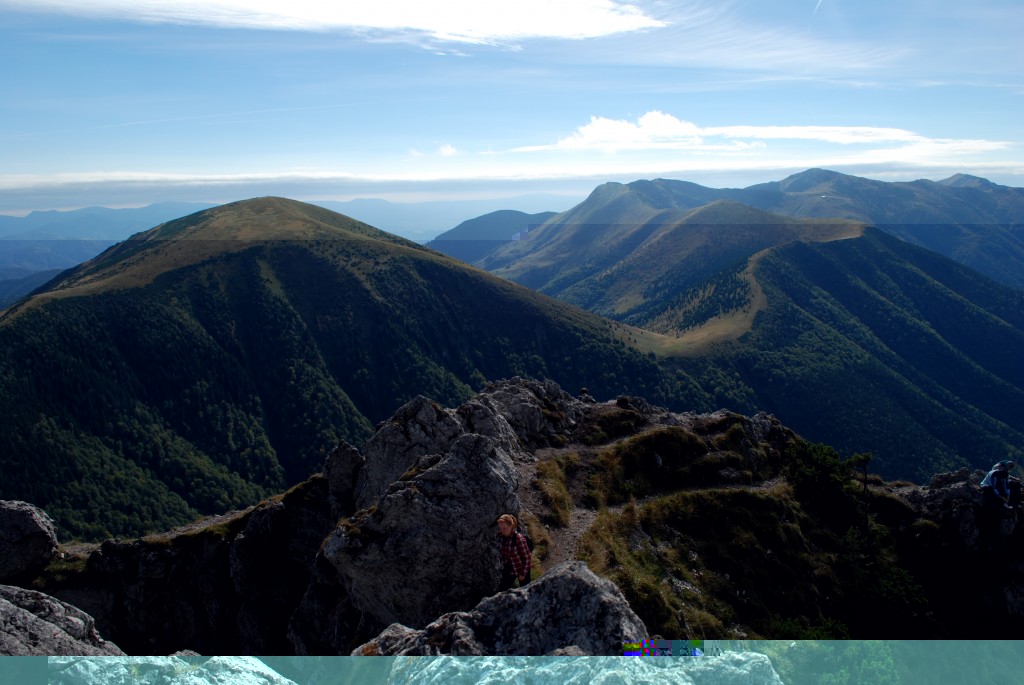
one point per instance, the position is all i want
(535, 410)
(237, 670)
(569, 607)
(28, 539)
(35, 624)
(428, 545)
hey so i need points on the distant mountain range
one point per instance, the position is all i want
(969, 219)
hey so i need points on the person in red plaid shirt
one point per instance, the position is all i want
(515, 553)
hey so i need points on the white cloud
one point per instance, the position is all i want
(447, 151)
(468, 21)
(656, 130)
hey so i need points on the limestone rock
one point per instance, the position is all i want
(419, 427)
(35, 624)
(568, 606)
(429, 545)
(28, 538)
(237, 670)
(535, 410)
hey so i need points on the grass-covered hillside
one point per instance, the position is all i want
(215, 359)
(723, 527)
(876, 345)
(851, 336)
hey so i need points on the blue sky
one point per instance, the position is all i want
(128, 102)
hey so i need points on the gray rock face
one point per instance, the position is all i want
(428, 487)
(535, 410)
(236, 670)
(567, 607)
(28, 538)
(34, 624)
(418, 428)
(428, 546)
(512, 413)
(732, 668)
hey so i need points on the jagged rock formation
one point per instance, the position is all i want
(731, 668)
(237, 670)
(395, 535)
(569, 608)
(35, 624)
(28, 538)
(431, 484)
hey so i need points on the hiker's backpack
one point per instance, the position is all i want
(529, 541)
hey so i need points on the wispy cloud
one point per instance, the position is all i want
(466, 21)
(657, 130)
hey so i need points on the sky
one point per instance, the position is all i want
(130, 102)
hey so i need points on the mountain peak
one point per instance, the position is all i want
(207, 234)
(810, 180)
(967, 181)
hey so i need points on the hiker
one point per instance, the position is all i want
(995, 487)
(515, 553)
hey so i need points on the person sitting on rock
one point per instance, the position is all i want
(515, 553)
(995, 487)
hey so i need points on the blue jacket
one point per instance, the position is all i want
(998, 480)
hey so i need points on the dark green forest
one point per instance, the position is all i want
(874, 345)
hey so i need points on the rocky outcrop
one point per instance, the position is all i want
(515, 414)
(953, 500)
(426, 547)
(28, 539)
(236, 670)
(418, 428)
(428, 487)
(228, 585)
(35, 624)
(271, 563)
(568, 607)
(732, 668)
(400, 533)
(537, 411)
